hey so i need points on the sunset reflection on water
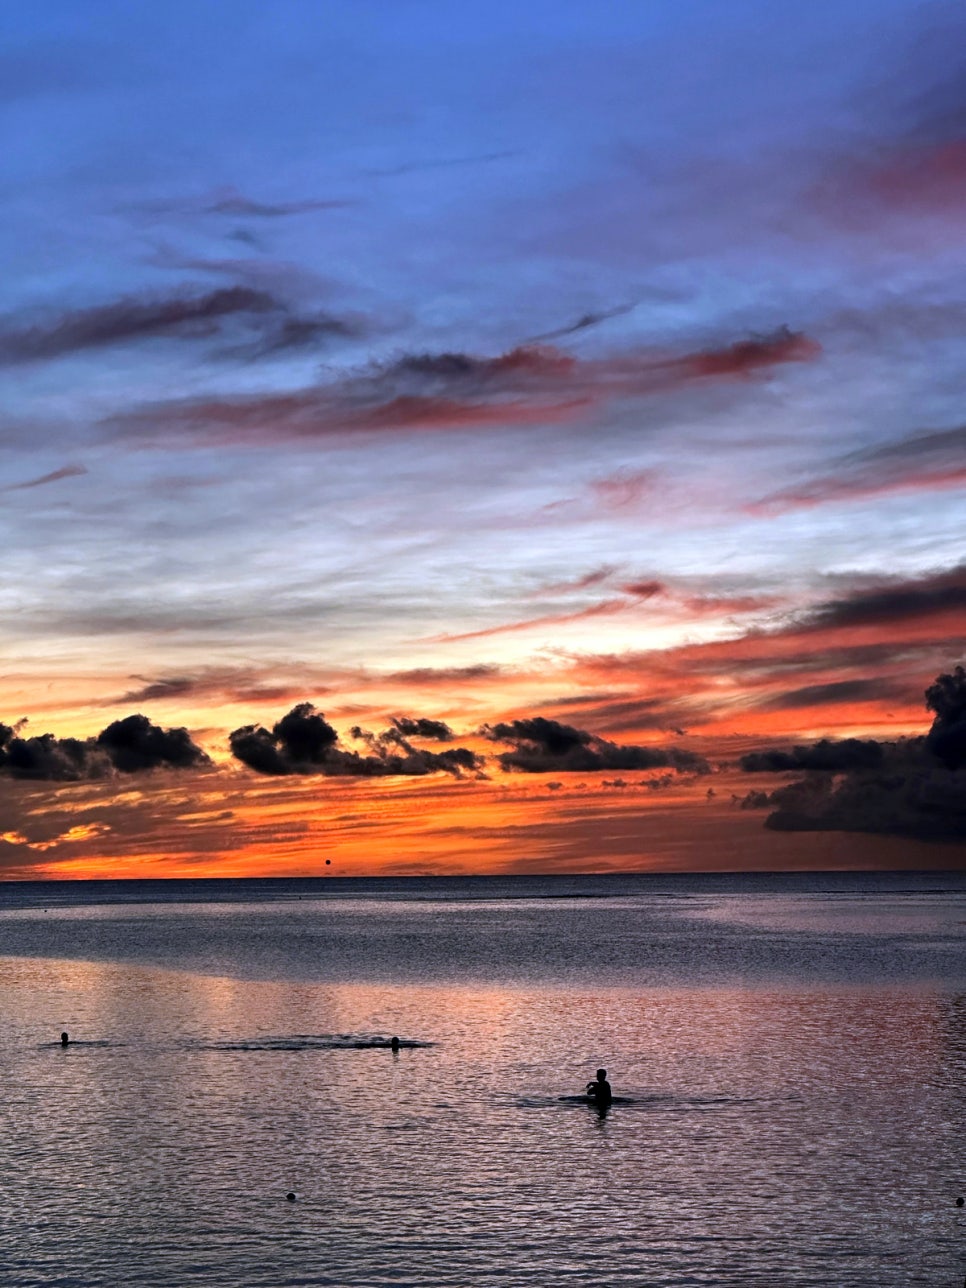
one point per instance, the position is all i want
(774, 1130)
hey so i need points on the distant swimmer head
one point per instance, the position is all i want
(290, 1196)
(960, 1201)
(64, 1039)
(601, 1075)
(394, 1044)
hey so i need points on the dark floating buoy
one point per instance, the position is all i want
(328, 862)
(64, 1039)
(290, 1196)
(394, 1044)
(960, 1201)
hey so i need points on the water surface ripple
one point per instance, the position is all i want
(791, 1058)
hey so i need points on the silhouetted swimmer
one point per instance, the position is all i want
(290, 1196)
(960, 1201)
(394, 1044)
(599, 1090)
(64, 1039)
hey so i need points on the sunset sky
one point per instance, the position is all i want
(564, 399)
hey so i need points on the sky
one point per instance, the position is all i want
(511, 438)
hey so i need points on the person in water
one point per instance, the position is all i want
(64, 1039)
(599, 1090)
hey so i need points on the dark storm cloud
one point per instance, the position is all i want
(914, 787)
(947, 699)
(894, 601)
(66, 472)
(128, 746)
(827, 755)
(543, 746)
(811, 695)
(303, 742)
(909, 798)
(452, 389)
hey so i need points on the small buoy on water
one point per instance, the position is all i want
(328, 862)
(290, 1196)
(960, 1201)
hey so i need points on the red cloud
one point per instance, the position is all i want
(827, 489)
(449, 390)
(930, 175)
(606, 607)
(747, 356)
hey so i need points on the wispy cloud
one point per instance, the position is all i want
(188, 315)
(923, 462)
(126, 320)
(229, 201)
(448, 390)
(65, 472)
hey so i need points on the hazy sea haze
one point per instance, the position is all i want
(790, 1052)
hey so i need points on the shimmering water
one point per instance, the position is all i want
(793, 1051)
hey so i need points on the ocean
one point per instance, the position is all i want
(788, 1054)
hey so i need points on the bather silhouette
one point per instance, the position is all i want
(599, 1090)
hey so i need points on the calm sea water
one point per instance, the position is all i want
(791, 1051)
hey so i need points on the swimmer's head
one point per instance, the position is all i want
(601, 1075)
(64, 1039)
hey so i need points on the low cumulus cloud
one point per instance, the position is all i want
(303, 742)
(912, 787)
(528, 384)
(542, 746)
(129, 746)
(420, 727)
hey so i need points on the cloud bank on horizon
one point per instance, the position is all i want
(348, 362)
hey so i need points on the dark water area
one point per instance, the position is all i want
(562, 931)
(787, 1053)
(34, 894)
